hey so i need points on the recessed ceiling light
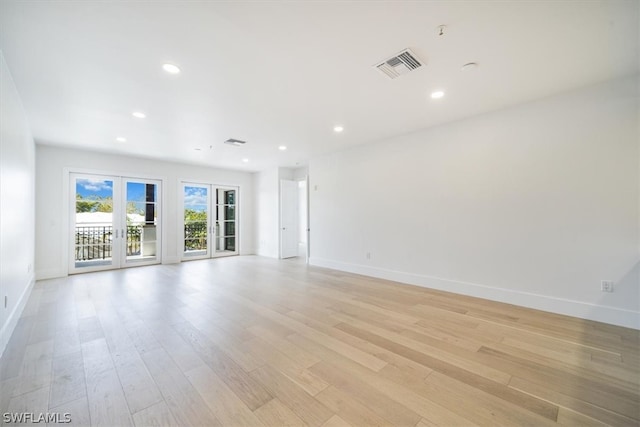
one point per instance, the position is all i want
(245, 160)
(437, 94)
(171, 69)
(139, 114)
(282, 147)
(121, 139)
(338, 129)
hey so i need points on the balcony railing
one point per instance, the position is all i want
(195, 236)
(95, 242)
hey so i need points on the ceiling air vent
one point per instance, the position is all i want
(399, 64)
(235, 142)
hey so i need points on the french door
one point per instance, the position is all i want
(210, 226)
(115, 222)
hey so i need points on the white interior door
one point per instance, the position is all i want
(302, 218)
(288, 218)
(307, 225)
(114, 222)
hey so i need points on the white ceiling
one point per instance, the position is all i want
(284, 73)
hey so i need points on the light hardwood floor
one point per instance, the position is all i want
(249, 341)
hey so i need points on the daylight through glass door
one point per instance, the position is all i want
(142, 227)
(210, 220)
(93, 227)
(196, 220)
(225, 221)
(115, 222)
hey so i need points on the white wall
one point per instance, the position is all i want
(300, 174)
(532, 205)
(52, 252)
(267, 199)
(17, 205)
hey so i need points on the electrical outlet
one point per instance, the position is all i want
(606, 285)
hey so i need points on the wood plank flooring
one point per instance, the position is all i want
(249, 341)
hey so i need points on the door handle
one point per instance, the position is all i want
(116, 233)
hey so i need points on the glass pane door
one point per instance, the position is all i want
(226, 224)
(141, 225)
(210, 220)
(94, 234)
(115, 222)
(196, 212)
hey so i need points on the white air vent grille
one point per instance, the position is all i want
(399, 64)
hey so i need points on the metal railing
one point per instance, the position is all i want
(95, 242)
(195, 236)
(134, 239)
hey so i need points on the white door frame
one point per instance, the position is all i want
(212, 236)
(115, 247)
(118, 221)
(236, 234)
(184, 255)
(135, 262)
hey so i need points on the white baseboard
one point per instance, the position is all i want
(12, 319)
(599, 313)
(53, 273)
(170, 260)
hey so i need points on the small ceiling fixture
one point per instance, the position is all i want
(139, 114)
(245, 160)
(171, 69)
(338, 129)
(121, 139)
(437, 94)
(236, 142)
(441, 29)
(282, 147)
(469, 66)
